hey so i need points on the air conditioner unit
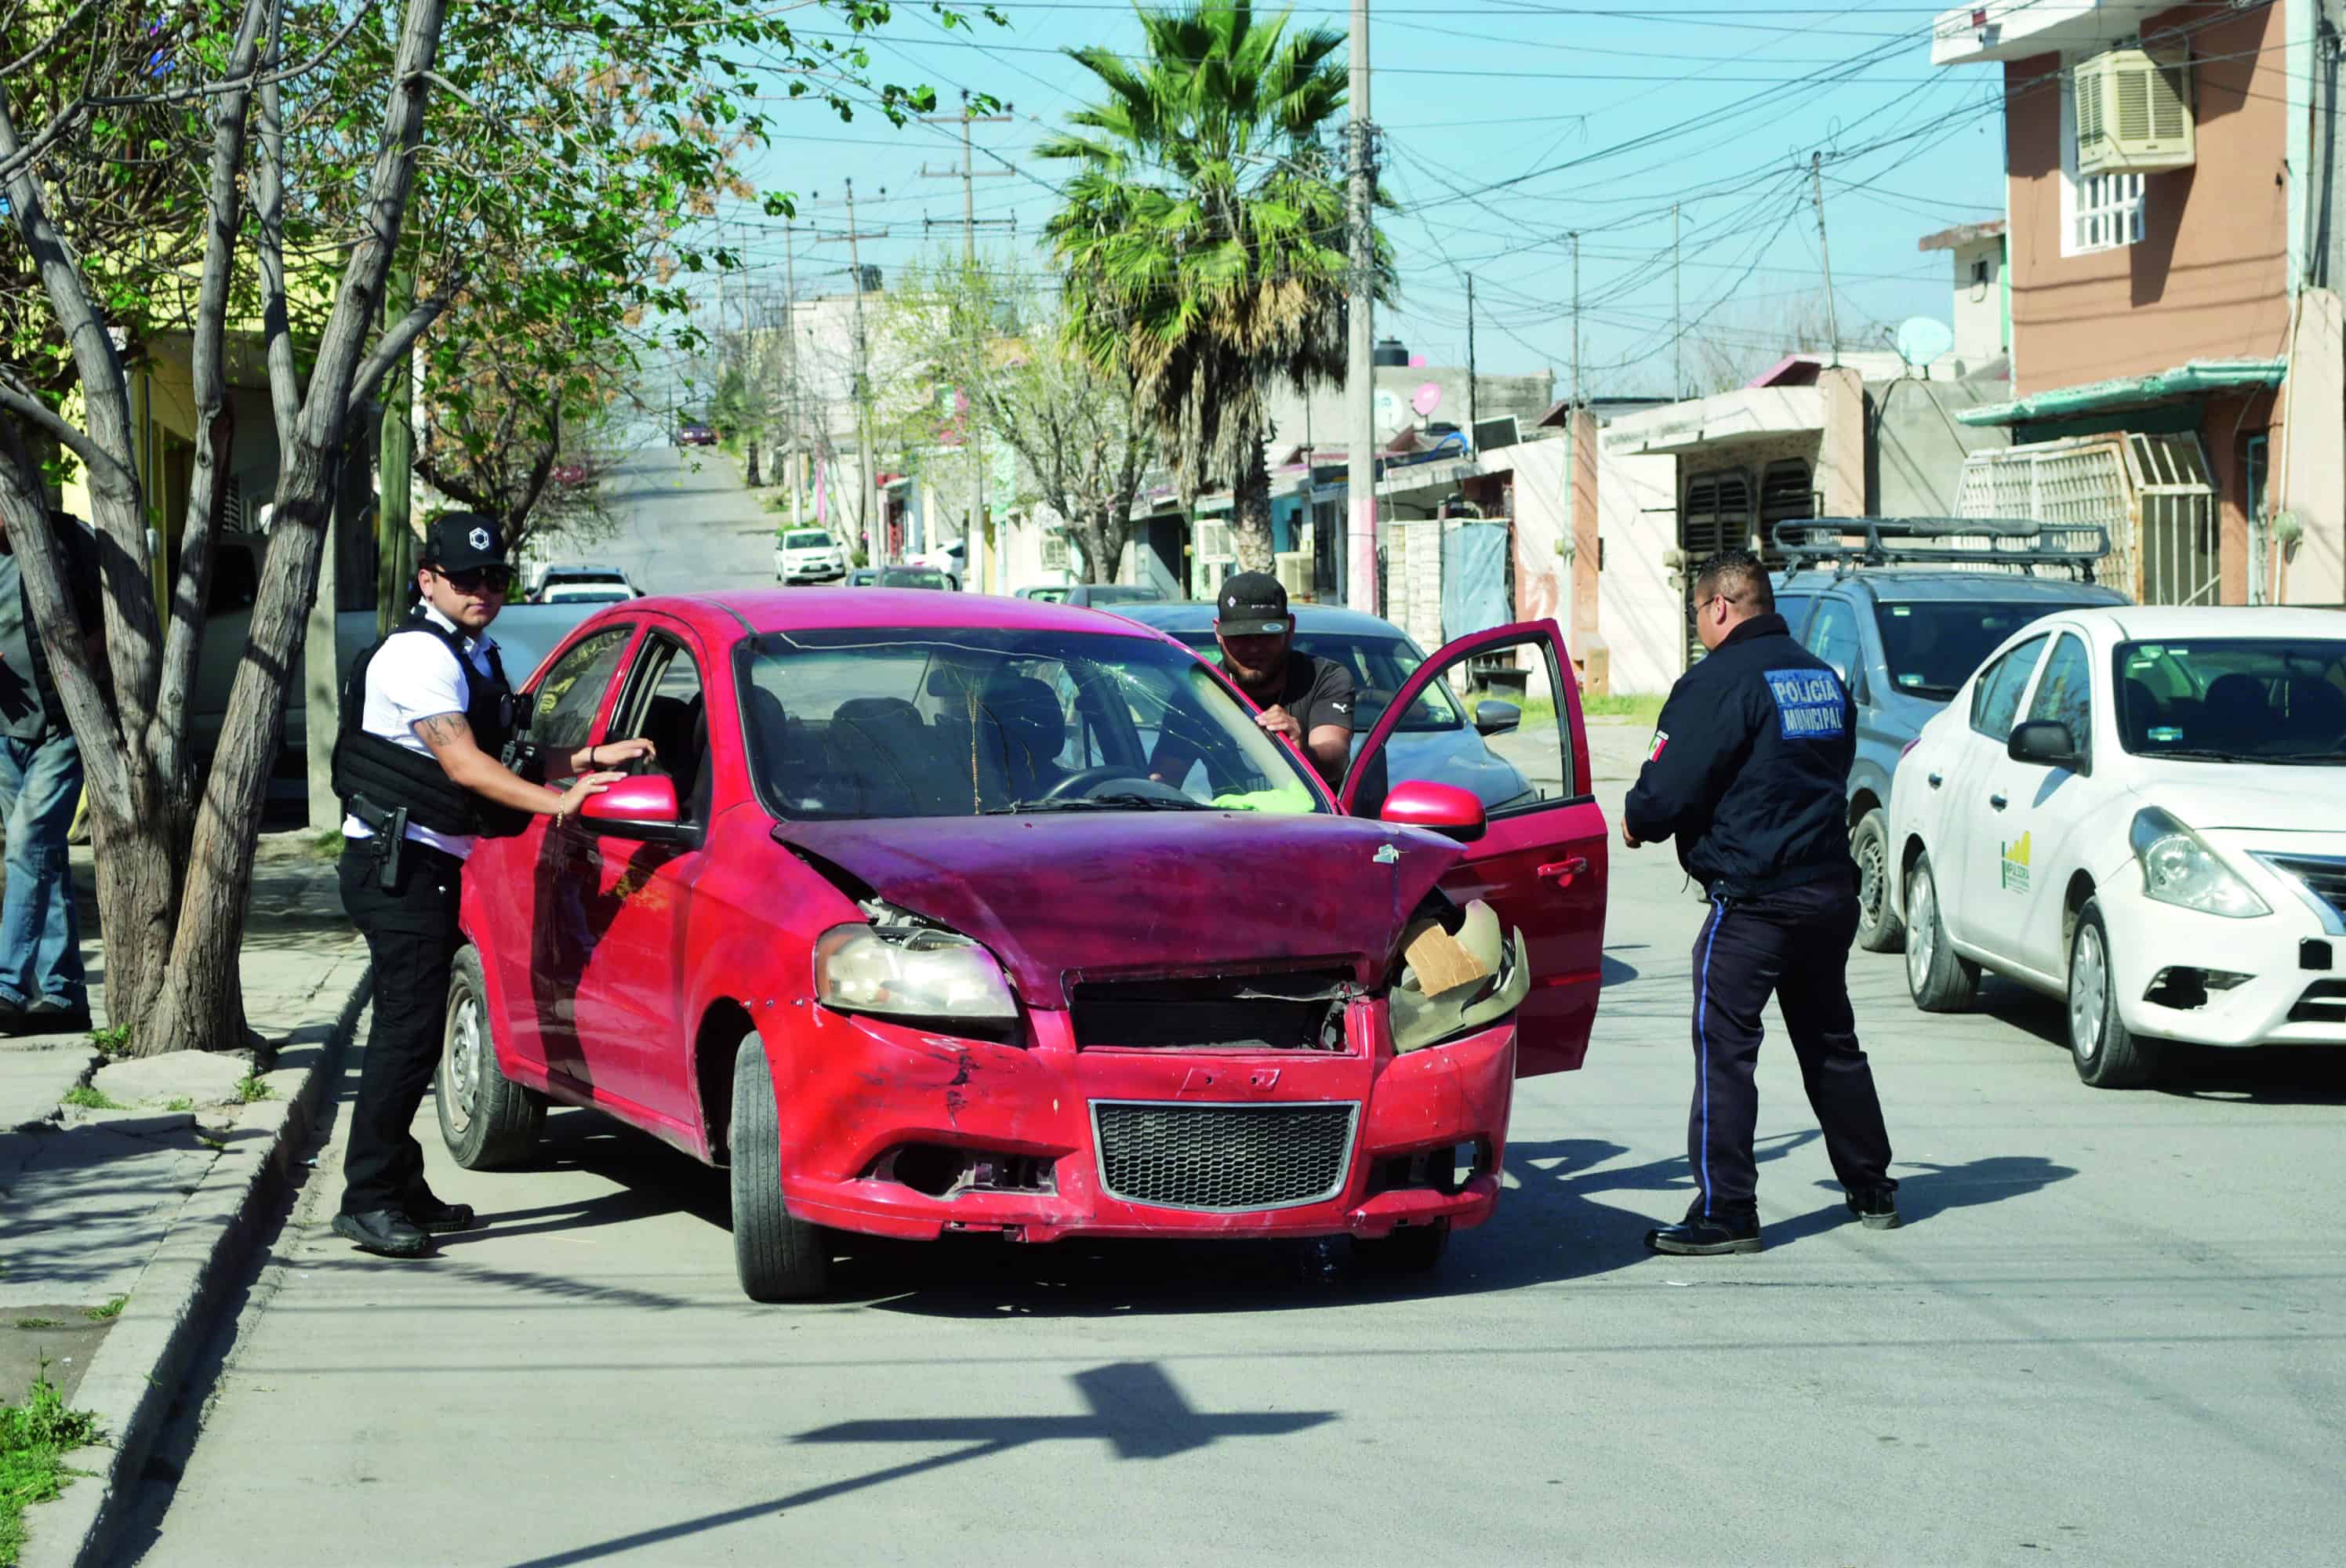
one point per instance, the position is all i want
(2134, 113)
(1294, 569)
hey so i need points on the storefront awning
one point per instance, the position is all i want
(2196, 379)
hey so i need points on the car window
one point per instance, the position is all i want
(1794, 609)
(2066, 694)
(1995, 701)
(875, 722)
(665, 704)
(1930, 646)
(2246, 699)
(1521, 769)
(807, 539)
(1832, 637)
(1379, 665)
(564, 708)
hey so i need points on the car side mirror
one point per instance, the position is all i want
(2045, 743)
(1442, 809)
(642, 806)
(1497, 718)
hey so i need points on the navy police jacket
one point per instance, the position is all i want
(1749, 766)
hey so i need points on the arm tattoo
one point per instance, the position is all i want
(441, 729)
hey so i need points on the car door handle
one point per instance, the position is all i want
(1936, 780)
(1562, 872)
(1998, 802)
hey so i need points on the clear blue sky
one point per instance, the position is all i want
(1507, 126)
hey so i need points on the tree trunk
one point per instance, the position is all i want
(1250, 513)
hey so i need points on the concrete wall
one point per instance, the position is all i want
(1918, 448)
(2208, 279)
(1639, 605)
(1839, 475)
(2309, 468)
(1318, 416)
(1979, 300)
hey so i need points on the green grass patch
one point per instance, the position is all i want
(88, 1098)
(112, 1042)
(40, 1322)
(1645, 708)
(35, 1438)
(111, 1310)
(252, 1086)
(178, 1103)
(324, 843)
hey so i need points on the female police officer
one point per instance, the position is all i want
(424, 719)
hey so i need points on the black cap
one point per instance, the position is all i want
(460, 541)
(1251, 605)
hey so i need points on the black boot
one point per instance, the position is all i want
(1697, 1236)
(440, 1218)
(1877, 1207)
(385, 1232)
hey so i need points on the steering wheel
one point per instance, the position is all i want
(1083, 780)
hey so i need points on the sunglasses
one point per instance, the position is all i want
(496, 579)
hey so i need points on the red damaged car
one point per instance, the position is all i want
(904, 933)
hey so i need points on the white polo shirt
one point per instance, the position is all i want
(414, 677)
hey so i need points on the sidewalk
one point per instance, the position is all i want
(120, 1212)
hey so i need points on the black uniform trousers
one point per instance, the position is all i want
(1795, 945)
(413, 936)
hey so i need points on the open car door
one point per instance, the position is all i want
(1541, 863)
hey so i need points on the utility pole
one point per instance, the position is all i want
(1817, 191)
(1474, 416)
(1677, 315)
(977, 546)
(790, 366)
(1360, 369)
(876, 536)
(1575, 318)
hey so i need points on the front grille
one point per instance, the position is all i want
(2324, 877)
(2324, 1002)
(1222, 1157)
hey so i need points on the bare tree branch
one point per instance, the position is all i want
(399, 337)
(18, 399)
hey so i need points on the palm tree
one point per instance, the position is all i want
(1203, 242)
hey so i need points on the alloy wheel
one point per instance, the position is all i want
(2089, 989)
(1872, 880)
(1921, 929)
(465, 1040)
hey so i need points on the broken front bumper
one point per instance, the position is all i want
(901, 1132)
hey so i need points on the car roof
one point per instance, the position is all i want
(723, 615)
(1198, 615)
(1918, 585)
(2135, 623)
(582, 569)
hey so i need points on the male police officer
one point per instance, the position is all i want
(1747, 770)
(421, 776)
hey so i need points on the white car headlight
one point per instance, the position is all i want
(910, 971)
(2178, 868)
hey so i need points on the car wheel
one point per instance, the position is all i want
(2108, 1054)
(1879, 929)
(1937, 980)
(1411, 1249)
(779, 1256)
(485, 1119)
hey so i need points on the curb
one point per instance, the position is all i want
(133, 1378)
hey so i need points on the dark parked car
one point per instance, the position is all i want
(915, 578)
(1434, 740)
(695, 435)
(1896, 607)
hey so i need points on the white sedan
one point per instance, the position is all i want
(2141, 810)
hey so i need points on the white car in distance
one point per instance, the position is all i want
(2143, 812)
(809, 555)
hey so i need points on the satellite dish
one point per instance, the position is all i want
(1426, 399)
(1923, 339)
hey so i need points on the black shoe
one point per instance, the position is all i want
(1877, 1207)
(1695, 1237)
(440, 1218)
(12, 1017)
(51, 1015)
(383, 1231)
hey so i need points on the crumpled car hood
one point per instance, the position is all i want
(1057, 897)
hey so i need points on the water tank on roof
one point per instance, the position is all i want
(1391, 351)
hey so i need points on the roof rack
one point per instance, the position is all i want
(1846, 542)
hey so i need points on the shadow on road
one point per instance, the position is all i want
(1938, 1189)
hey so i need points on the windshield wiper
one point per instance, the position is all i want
(1123, 801)
(2334, 758)
(2195, 753)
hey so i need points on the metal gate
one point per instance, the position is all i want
(1717, 515)
(2152, 493)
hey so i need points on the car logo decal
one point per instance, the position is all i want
(1386, 855)
(2015, 865)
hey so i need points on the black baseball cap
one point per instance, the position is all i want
(1251, 605)
(461, 541)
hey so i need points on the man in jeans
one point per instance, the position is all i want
(41, 986)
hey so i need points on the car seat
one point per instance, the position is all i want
(2139, 710)
(2236, 712)
(1020, 730)
(884, 760)
(678, 727)
(2317, 716)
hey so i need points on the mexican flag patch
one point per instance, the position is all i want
(1661, 739)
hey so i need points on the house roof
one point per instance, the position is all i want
(1961, 235)
(2192, 379)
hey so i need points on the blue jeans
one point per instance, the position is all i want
(40, 933)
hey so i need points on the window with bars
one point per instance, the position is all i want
(1054, 550)
(2098, 212)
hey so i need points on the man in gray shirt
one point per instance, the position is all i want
(41, 987)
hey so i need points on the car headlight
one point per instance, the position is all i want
(2178, 868)
(913, 972)
(1417, 1020)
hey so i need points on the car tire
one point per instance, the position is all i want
(1410, 1249)
(2106, 1053)
(1879, 929)
(487, 1119)
(1938, 980)
(777, 1256)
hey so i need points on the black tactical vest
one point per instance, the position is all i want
(390, 776)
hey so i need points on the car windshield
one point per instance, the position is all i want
(591, 593)
(2234, 700)
(967, 721)
(918, 578)
(1379, 665)
(1109, 594)
(810, 539)
(1930, 646)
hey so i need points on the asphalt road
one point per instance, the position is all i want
(2109, 1333)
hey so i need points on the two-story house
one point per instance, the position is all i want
(2179, 371)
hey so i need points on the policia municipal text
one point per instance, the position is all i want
(422, 764)
(1747, 771)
